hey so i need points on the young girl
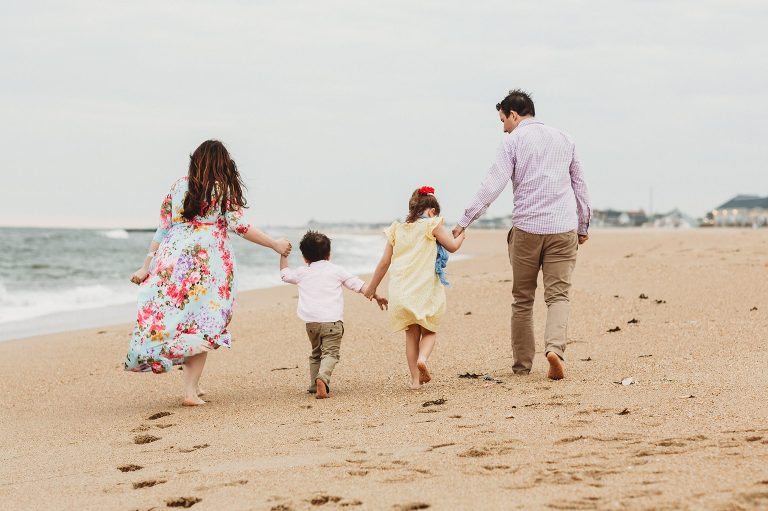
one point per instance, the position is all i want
(416, 295)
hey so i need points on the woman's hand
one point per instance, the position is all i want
(139, 276)
(283, 247)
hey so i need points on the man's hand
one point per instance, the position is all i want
(583, 238)
(457, 231)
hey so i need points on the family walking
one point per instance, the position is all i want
(188, 284)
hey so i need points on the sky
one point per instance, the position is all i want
(338, 110)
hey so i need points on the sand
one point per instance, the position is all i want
(691, 433)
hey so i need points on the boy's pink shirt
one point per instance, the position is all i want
(321, 298)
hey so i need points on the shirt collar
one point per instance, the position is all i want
(320, 262)
(526, 122)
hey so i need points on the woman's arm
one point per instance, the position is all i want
(254, 235)
(381, 270)
(446, 239)
(141, 274)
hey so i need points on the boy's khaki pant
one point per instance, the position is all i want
(555, 255)
(326, 341)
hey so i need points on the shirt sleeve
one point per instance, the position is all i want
(236, 222)
(290, 276)
(389, 232)
(350, 281)
(581, 192)
(166, 217)
(493, 184)
(433, 223)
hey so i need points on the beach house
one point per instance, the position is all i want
(742, 210)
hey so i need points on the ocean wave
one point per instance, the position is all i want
(23, 305)
(116, 234)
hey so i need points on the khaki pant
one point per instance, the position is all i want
(326, 342)
(555, 255)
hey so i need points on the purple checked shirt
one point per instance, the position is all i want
(551, 195)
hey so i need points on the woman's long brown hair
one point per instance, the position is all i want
(213, 181)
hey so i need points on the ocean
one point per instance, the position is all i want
(62, 279)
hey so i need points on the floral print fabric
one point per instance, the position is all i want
(185, 304)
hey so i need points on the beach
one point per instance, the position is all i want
(690, 432)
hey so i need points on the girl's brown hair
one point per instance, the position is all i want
(213, 181)
(421, 200)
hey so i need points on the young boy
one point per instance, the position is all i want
(321, 305)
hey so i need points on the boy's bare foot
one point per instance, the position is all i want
(193, 402)
(322, 390)
(424, 376)
(556, 369)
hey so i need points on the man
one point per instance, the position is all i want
(550, 220)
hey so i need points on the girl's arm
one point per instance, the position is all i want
(446, 239)
(381, 270)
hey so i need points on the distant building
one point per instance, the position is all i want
(675, 219)
(741, 211)
(614, 218)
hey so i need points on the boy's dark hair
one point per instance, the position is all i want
(518, 101)
(315, 246)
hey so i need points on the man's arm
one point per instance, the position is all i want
(580, 190)
(497, 178)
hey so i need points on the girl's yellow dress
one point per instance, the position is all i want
(416, 295)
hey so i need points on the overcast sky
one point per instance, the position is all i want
(338, 110)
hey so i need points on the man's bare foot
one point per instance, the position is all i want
(556, 369)
(196, 401)
(322, 390)
(424, 376)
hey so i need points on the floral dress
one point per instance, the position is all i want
(185, 304)
(416, 296)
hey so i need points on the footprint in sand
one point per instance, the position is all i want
(158, 415)
(145, 439)
(194, 448)
(147, 484)
(185, 502)
(412, 506)
(129, 468)
(321, 500)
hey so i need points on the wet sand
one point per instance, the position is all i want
(77, 432)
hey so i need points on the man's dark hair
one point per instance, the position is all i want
(315, 246)
(517, 101)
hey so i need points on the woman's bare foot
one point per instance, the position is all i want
(556, 369)
(196, 401)
(424, 376)
(322, 390)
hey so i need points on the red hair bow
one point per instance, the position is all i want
(425, 190)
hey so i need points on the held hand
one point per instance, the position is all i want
(583, 238)
(457, 231)
(383, 302)
(283, 247)
(368, 292)
(139, 276)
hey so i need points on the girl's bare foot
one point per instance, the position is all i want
(196, 401)
(200, 391)
(322, 390)
(415, 385)
(424, 376)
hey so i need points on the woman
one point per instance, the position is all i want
(187, 283)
